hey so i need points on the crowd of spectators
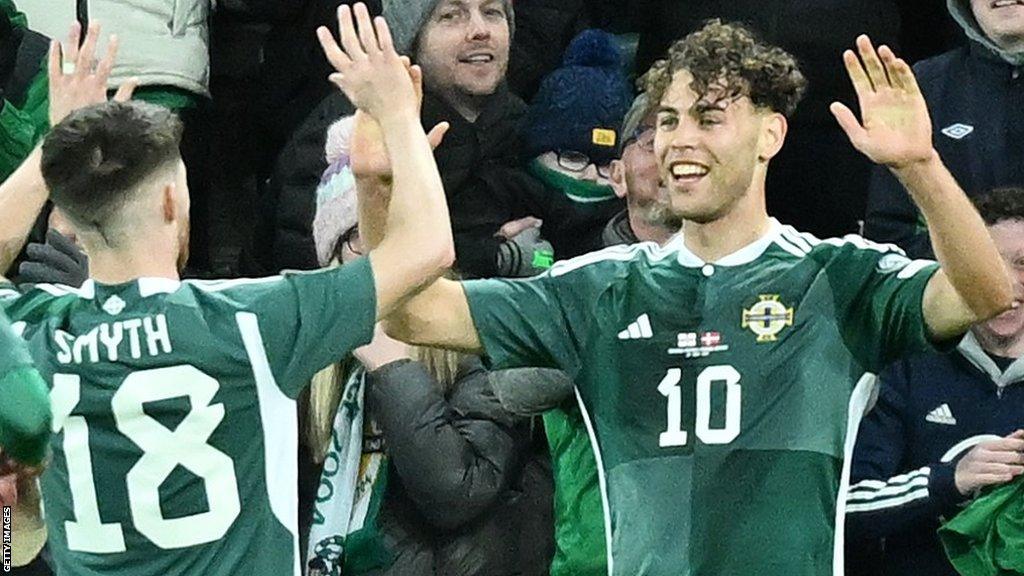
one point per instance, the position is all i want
(549, 155)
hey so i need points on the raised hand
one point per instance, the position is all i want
(369, 71)
(368, 153)
(895, 129)
(84, 82)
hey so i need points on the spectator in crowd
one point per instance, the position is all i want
(634, 176)
(24, 114)
(945, 425)
(579, 521)
(463, 48)
(448, 482)
(570, 138)
(976, 97)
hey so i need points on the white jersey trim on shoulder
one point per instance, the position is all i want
(86, 292)
(218, 285)
(620, 253)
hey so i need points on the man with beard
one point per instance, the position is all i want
(945, 425)
(174, 414)
(722, 376)
(463, 49)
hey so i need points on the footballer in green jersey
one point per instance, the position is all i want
(721, 377)
(174, 422)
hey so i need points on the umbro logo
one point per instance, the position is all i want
(958, 131)
(638, 330)
(942, 415)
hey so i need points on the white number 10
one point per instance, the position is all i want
(674, 435)
(163, 450)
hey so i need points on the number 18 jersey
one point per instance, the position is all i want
(174, 417)
(722, 398)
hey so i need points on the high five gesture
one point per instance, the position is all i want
(417, 246)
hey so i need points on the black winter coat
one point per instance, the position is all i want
(976, 101)
(468, 493)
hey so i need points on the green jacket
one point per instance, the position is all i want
(580, 548)
(987, 537)
(23, 123)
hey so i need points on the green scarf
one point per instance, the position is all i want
(987, 537)
(577, 190)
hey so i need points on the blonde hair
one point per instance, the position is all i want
(328, 385)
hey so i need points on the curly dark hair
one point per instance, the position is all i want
(730, 55)
(1000, 204)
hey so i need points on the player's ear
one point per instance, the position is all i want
(773, 134)
(618, 178)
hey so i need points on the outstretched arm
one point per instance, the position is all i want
(23, 194)
(895, 130)
(417, 247)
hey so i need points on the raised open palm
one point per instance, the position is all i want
(77, 79)
(895, 129)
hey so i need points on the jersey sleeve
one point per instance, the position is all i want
(879, 297)
(310, 320)
(538, 322)
(25, 410)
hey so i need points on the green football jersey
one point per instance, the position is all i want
(174, 420)
(723, 398)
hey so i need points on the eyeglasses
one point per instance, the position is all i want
(578, 162)
(644, 138)
(350, 240)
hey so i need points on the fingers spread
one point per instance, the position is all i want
(872, 64)
(366, 32)
(54, 65)
(125, 91)
(848, 122)
(349, 38)
(334, 54)
(74, 42)
(387, 44)
(84, 63)
(858, 76)
(107, 64)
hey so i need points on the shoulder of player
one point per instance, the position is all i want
(614, 258)
(803, 244)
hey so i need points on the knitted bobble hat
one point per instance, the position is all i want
(336, 207)
(580, 106)
(406, 19)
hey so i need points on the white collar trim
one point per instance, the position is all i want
(744, 255)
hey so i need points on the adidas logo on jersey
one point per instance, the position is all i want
(941, 415)
(639, 330)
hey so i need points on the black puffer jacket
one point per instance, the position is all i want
(469, 492)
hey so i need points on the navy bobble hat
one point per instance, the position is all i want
(580, 105)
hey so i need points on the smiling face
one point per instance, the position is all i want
(463, 48)
(712, 151)
(1002, 21)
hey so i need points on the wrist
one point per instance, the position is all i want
(399, 118)
(917, 167)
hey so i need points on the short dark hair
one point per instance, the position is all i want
(1000, 204)
(731, 54)
(96, 157)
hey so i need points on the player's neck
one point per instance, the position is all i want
(711, 241)
(118, 267)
